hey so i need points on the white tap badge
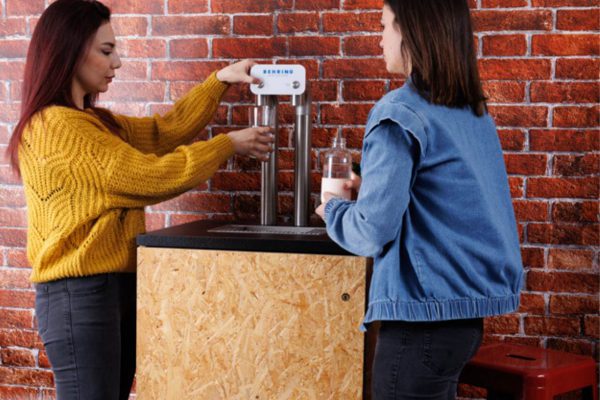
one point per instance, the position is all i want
(279, 79)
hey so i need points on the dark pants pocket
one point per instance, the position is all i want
(423, 359)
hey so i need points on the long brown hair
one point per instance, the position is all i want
(437, 39)
(59, 44)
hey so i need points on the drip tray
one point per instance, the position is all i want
(270, 230)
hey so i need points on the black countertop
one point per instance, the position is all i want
(195, 235)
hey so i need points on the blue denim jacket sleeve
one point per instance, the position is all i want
(365, 226)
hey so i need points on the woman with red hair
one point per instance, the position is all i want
(87, 175)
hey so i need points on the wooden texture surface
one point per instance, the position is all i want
(244, 325)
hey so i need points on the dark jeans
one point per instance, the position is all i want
(423, 360)
(87, 326)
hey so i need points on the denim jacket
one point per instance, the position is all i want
(434, 211)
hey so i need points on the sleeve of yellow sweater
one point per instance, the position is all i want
(190, 114)
(136, 179)
(124, 176)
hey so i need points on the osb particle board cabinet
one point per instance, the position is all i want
(226, 316)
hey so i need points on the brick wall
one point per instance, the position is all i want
(539, 60)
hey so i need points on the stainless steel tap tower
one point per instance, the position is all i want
(284, 80)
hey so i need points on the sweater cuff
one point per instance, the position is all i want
(331, 204)
(215, 87)
(223, 147)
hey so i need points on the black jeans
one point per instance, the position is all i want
(423, 360)
(87, 326)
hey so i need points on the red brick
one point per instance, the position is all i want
(322, 137)
(298, 22)
(563, 187)
(43, 360)
(253, 24)
(504, 324)
(20, 319)
(314, 46)
(532, 303)
(512, 139)
(10, 112)
(504, 45)
(562, 282)
(570, 259)
(503, 3)
(578, 20)
(13, 48)
(563, 3)
(19, 338)
(565, 45)
(576, 165)
(26, 377)
(311, 65)
(11, 70)
(251, 48)
(577, 68)
(352, 22)
(526, 164)
(256, 6)
(563, 234)
(142, 48)
(345, 113)
(504, 91)
(362, 4)
(17, 258)
(17, 358)
(363, 68)
(516, 186)
(18, 393)
(562, 92)
(246, 206)
(575, 346)
(15, 278)
(155, 221)
(178, 219)
(236, 181)
(187, 6)
(13, 237)
(533, 257)
(12, 26)
(363, 90)
(133, 70)
(362, 46)
(17, 298)
(592, 325)
(194, 201)
(576, 116)
(185, 70)
(573, 304)
(129, 26)
(354, 137)
(322, 90)
(188, 48)
(551, 326)
(8, 176)
(135, 91)
(521, 116)
(316, 4)
(586, 211)
(527, 210)
(514, 69)
(191, 25)
(493, 20)
(11, 197)
(20, 7)
(134, 6)
(564, 140)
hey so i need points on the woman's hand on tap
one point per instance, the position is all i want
(256, 142)
(238, 73)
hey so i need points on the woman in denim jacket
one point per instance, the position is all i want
(434, 208)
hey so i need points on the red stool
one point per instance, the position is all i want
(530, 373)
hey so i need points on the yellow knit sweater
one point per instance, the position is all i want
(86, 188)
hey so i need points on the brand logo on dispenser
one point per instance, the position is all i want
(277, 71)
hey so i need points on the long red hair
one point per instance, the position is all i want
(59, 44)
